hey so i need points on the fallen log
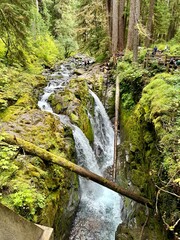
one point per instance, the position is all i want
(50, 157)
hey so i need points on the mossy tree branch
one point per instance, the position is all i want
(47, 156)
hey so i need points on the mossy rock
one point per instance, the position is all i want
(37, 190)
(74, 101)
(149, 133)
(133, 225)
(3, 104)
(18, 92)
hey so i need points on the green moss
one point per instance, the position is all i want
(74, 102)
(150, 135)
(18, 92)
(27, 184)
(58, 108)
(3, 104)
(74, 118)
(161, 100)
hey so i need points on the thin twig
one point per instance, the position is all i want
(142, 230)
(161, 189)
(172, 178)
(157, 197)
(171, 228)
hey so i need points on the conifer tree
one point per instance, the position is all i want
(14, 22)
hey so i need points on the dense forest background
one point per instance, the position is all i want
(38, 32)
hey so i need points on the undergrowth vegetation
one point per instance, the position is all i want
(150, 118)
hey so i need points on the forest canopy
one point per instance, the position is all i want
(41, 31)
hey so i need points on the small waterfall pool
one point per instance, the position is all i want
(99, 210)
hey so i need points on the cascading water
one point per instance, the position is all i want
(103, 135)
(99, 211)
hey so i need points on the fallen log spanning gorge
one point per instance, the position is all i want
(47, 156)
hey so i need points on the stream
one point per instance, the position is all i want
(99, 210)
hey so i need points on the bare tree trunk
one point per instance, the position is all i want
(174, 23)
(136, 33)
(114, 27)
(150, 22)
(126, 17)
(109, 20)
(131, 26)
(37, 5)
(116, 127)
(47, 156)
(121, 38)
(109, 17)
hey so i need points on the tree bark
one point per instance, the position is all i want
(37, 5)
(114, 26)
(131, 26)
(174, 23)
(116, 127)
(47, 156)
(136, 32)
(121, 38)
(109, 17)
(150, 22)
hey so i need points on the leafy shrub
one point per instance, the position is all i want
(26, 200)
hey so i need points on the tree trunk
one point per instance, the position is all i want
(136, 32)
(37, 5)
(174, 23)
(121, 38)
(47, 156)
(131, 26)
(114, 27)
(150, 22)
(116, 127)
(109, 17)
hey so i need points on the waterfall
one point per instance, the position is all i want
(103, 134)
(99, 211)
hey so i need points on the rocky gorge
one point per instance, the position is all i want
(48, 194)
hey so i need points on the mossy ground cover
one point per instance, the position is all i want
(18, 91)
(33, 188)
(150, 139)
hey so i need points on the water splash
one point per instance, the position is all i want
(99, 210)
(103, 134)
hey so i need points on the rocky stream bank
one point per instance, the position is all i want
(48, 194)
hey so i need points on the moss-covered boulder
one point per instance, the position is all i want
(149, 154)
(18, 92)
(75, 102)
(39, 191)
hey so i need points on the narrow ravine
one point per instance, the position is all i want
(99, 210)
